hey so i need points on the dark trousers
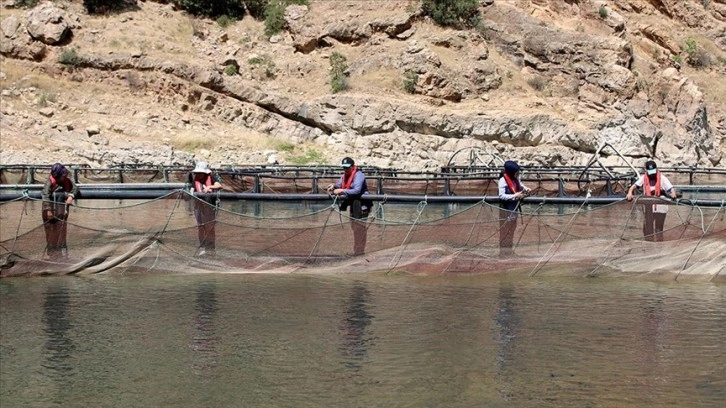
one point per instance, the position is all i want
(205, 214)
(507, 226)
(55, 229)
(653, 223)
(360, 228)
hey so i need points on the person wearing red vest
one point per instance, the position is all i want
(57, 194)
(352, 188)
(511, 192)
(653, 183)
(203, 183)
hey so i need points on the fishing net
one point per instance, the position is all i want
(162, 235)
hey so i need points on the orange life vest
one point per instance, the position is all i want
(514, 185)
(646, 184)
(348, 179)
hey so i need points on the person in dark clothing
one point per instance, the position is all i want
(58, 194)
(353, 189)
(203, 183)
(511, 192)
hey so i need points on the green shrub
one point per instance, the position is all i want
(695, 55)
(311, 156)
(603, 12)
(274, 17)
(286, 147)
(677, 58)
(337, 74)
(256, 8)
(70, 57)
(25, 3)
(537, 82)
(213, 8)
(452, 13)
(109, 6)
(231, 70)
(409, 82)
(225, 21)
(264, 63)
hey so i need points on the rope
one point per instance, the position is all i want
(20, 221)
(322, 230)
(397, 257)
(535, 269)
(622, 234)
(699, 242)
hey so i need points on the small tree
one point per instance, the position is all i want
(452, 13)
(70, 57)
(337, 73)
(410, 80)
(274, 17)
(212, 8)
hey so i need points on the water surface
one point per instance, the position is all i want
(359, 340)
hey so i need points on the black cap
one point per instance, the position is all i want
(347, 162)
(650, 166)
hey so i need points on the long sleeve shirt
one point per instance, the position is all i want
(66, 185)
(357, 188)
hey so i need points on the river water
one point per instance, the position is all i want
(223, 340)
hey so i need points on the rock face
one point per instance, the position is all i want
(543, 82)
(48, 24)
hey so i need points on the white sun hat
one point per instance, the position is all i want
(202, 167)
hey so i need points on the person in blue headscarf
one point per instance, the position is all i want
(511, 193)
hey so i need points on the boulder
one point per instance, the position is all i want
(48, 24)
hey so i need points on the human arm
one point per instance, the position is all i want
(73, 193)
(332, 186)
(638, 183)
(45, 196)
(504, 196)
(668, 187)
(216, 184)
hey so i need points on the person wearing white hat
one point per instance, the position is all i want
(204, 182)
(653, 184)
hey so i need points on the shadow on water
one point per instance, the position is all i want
(507, 325)
(356, 341)
(59, 347)
(204, 340)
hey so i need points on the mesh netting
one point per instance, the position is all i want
(129, 236)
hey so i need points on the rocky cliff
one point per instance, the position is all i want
(541, 81)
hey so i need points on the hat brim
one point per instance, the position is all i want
(206, 171)
(346, 166)
(652, 171)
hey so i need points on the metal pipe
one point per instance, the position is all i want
(154, 194)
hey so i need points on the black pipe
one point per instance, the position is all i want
(154, 194)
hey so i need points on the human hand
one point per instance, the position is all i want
(69, 201)
(330, 188)
(48, 214)
(629, 196)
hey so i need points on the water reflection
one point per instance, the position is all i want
(507, 325)
(204, 339)
(356, 340)
(58, 344)
(653, 328)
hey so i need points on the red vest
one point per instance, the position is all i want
(646, 184)
(198, 183)
(513, 185)
(54, 183)
(347, 181)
